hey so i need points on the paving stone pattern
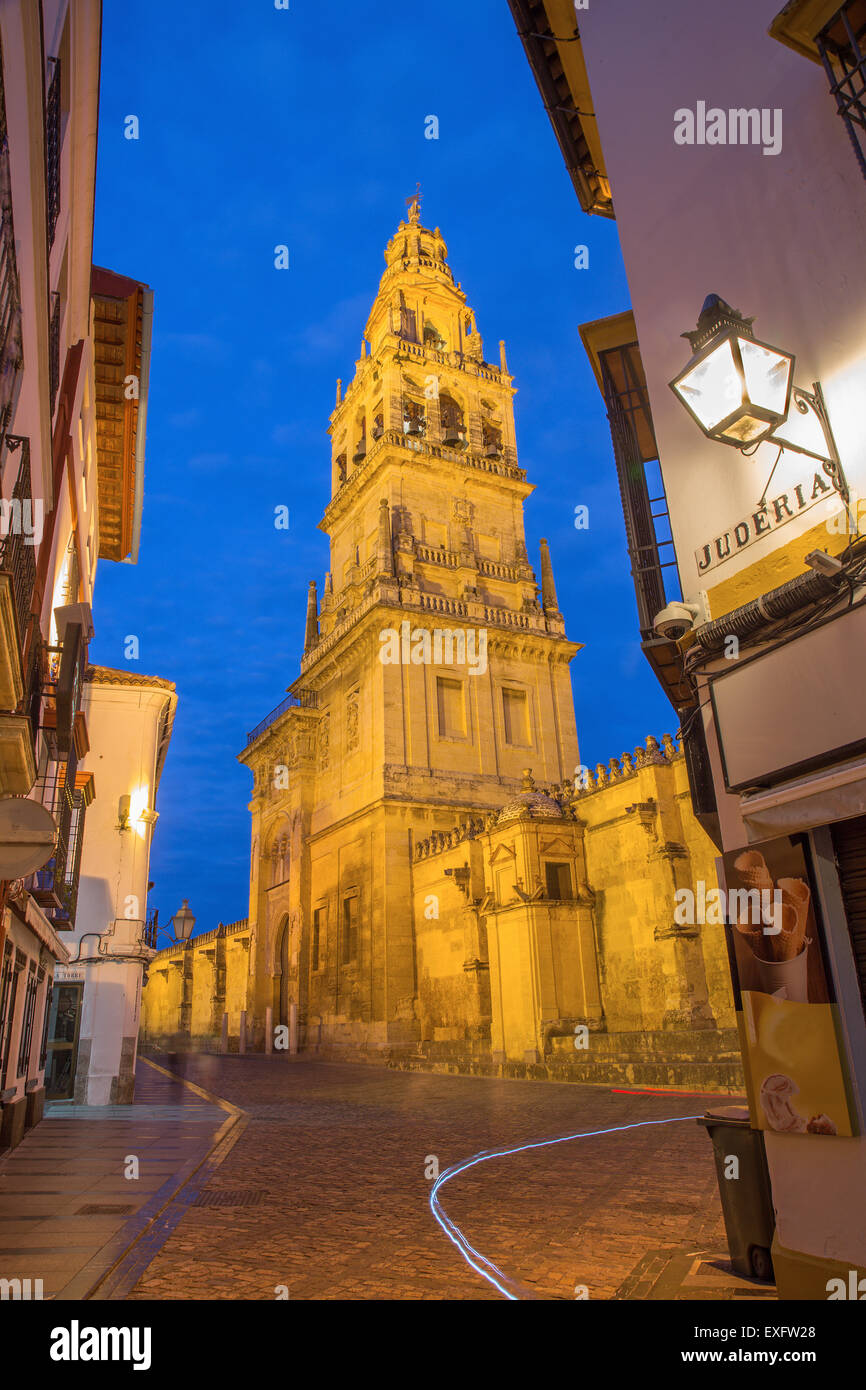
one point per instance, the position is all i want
(325, 1191)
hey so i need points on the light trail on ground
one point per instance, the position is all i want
(480, 1263)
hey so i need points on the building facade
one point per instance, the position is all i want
(74, 367)
(737, 175)
(435, 879)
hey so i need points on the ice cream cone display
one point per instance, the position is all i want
(797, 1077)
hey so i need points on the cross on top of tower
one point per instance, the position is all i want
(414, 206)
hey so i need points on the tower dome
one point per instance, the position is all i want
(530, 804)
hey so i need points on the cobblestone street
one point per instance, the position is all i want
(325, 1190)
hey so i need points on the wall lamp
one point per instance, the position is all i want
(739, 391)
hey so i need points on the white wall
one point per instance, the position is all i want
(779, 237)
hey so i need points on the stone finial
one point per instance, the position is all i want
(339, 391)
(639, 756)
(503, 365)
(614, 769)
(384, 548)
(600, 775)
(653, 752)
(548, 588)
(627, 764)
(311, 635)
(528, 783)
(669, 746)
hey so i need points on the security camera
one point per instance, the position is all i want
(674, 621)
(823, 563)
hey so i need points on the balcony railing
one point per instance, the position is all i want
(11, 359)
(17, 534)
(307, 699)
(55, 885)
(52, 149)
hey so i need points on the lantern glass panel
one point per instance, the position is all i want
(713, 388)
(767, 374)
(745, 430)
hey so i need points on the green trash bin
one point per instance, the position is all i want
(747, 1200)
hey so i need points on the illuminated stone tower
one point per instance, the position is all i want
(390, 740)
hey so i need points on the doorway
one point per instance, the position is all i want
(63, 1026)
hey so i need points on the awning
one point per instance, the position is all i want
(835, 793)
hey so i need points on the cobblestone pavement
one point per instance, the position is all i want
(325, 1191)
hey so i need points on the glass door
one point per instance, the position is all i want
(63, 1041)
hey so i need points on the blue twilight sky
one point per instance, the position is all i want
(259, 127)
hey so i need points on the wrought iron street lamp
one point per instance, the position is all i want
(178, 931)
(736, 389)
(740, 391)
(183, 923)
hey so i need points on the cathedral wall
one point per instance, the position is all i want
(453, 983)
(635, 870)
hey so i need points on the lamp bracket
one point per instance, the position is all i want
(813, 402)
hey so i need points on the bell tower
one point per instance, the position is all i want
(435, 668)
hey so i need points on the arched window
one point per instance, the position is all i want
(451, 416)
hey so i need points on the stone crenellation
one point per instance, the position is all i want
(564, 793)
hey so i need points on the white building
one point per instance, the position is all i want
(130, 721)
(732, 142)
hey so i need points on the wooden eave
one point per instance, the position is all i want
(118, 312)
(560, 72)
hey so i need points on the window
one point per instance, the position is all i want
(558, 878)
(43, 1052)
(451, 708)
(27, 1021)
(12, 963)
(515, 717)
(350, 928)
(320, 924)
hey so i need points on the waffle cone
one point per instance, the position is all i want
(787, 943)
(758, 943)
(797, 895)
(752, 869)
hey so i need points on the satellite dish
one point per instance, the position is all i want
(27, 836)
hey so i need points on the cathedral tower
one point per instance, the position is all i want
(435, 669)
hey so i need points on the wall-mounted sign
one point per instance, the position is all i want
(796, 1077)
(68, 974)
(762, 521)
(788, 710)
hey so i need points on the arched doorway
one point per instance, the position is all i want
(284, 971)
